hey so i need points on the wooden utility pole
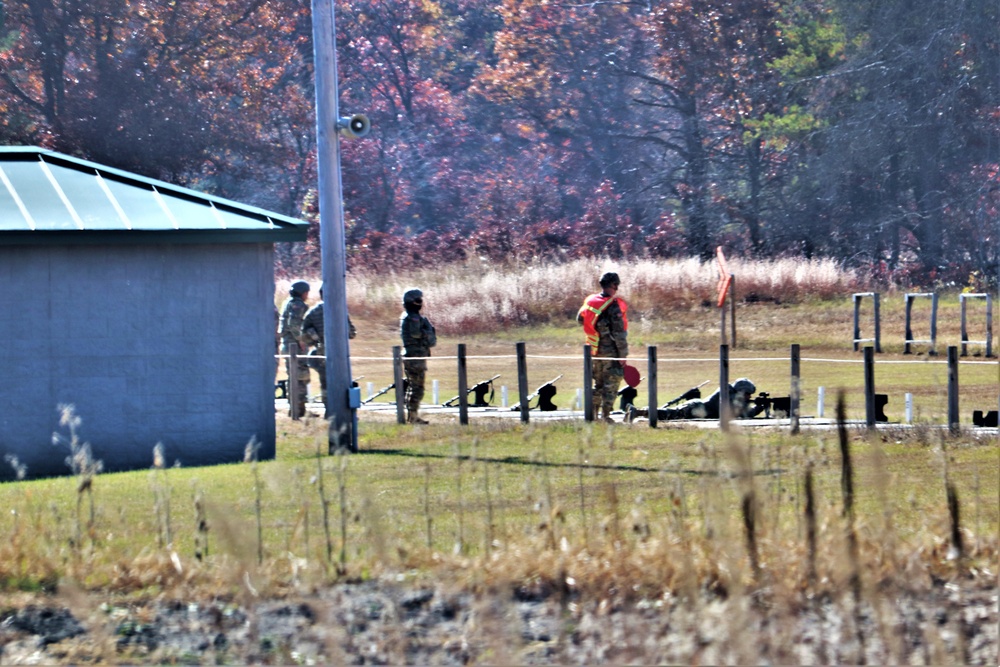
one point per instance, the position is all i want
(341, 409)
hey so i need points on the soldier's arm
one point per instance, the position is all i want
(430, 335)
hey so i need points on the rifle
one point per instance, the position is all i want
(480, 390)
(544, 394)
(690, 394)
(383, 390)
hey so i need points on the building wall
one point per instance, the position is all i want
(168, 344)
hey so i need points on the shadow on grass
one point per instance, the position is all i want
(521, 461)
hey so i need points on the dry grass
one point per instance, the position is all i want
(592, 517)
(472, 298)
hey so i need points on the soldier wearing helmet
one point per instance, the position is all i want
(312, 333)
(418, 337)
(605, 325)
(290, 329)
(739, 400)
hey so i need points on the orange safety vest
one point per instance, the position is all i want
(592, 307)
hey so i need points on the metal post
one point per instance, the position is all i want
(343, 418)
(793, 397)
(857, 320)
(522, 381)
(724, 407)
(722, 324)
(732, 310)
(870, 387)
(965, 331)
(397, 380)
(588, 385)
(651, 379)
(878, 323)
(989, 325)
(908, 330)
(463, 388)
(908, 399)
(934, 308)
(820, 400)
(953, 419)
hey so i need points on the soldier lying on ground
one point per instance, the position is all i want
(739, 398)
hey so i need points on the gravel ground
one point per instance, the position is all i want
(386, 622)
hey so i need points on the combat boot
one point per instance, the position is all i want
(606, 414)
(413, 417)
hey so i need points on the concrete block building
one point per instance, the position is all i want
(148, 307)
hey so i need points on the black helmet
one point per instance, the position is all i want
(610, 279)
(412, 296)
(744, 386)
(298, 288)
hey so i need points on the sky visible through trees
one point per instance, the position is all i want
(519, 130)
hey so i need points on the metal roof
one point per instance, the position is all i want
(48, 197)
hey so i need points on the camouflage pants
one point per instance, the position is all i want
(298, 381)
(415, 371)
(317, 361)
(607, 376)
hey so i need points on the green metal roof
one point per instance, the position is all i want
(47, 197)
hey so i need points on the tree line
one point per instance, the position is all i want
(516, 130)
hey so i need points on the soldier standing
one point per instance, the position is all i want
(605, 323)
(312, 332)
(418, 337)
(290, 329)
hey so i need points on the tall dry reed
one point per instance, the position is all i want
(471, 298)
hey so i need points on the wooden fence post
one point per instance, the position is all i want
(725, 409)
(522, 381)
(463, 388)
(293, 381)
(953, 418)
(397, 379)
(793, 400)
(651, 379)
(870, 387)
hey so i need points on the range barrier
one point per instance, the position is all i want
(988, 341)
(877, 340)
(909, 339)
(790, 405)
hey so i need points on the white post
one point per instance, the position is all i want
(435, 391)
(370, 386)
(578, 403)
(820, 396)
(503, 396)
(909, 408)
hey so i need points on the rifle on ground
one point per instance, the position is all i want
(479, 390)
(544, 394)
(690, 394)
(383, 390)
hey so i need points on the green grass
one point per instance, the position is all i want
(502, 499)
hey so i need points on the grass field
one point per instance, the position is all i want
(620, 513)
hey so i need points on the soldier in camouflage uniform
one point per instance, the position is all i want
(290, 329)
(605, 324)
(743, 407)
(312, 331)
(418, 337)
